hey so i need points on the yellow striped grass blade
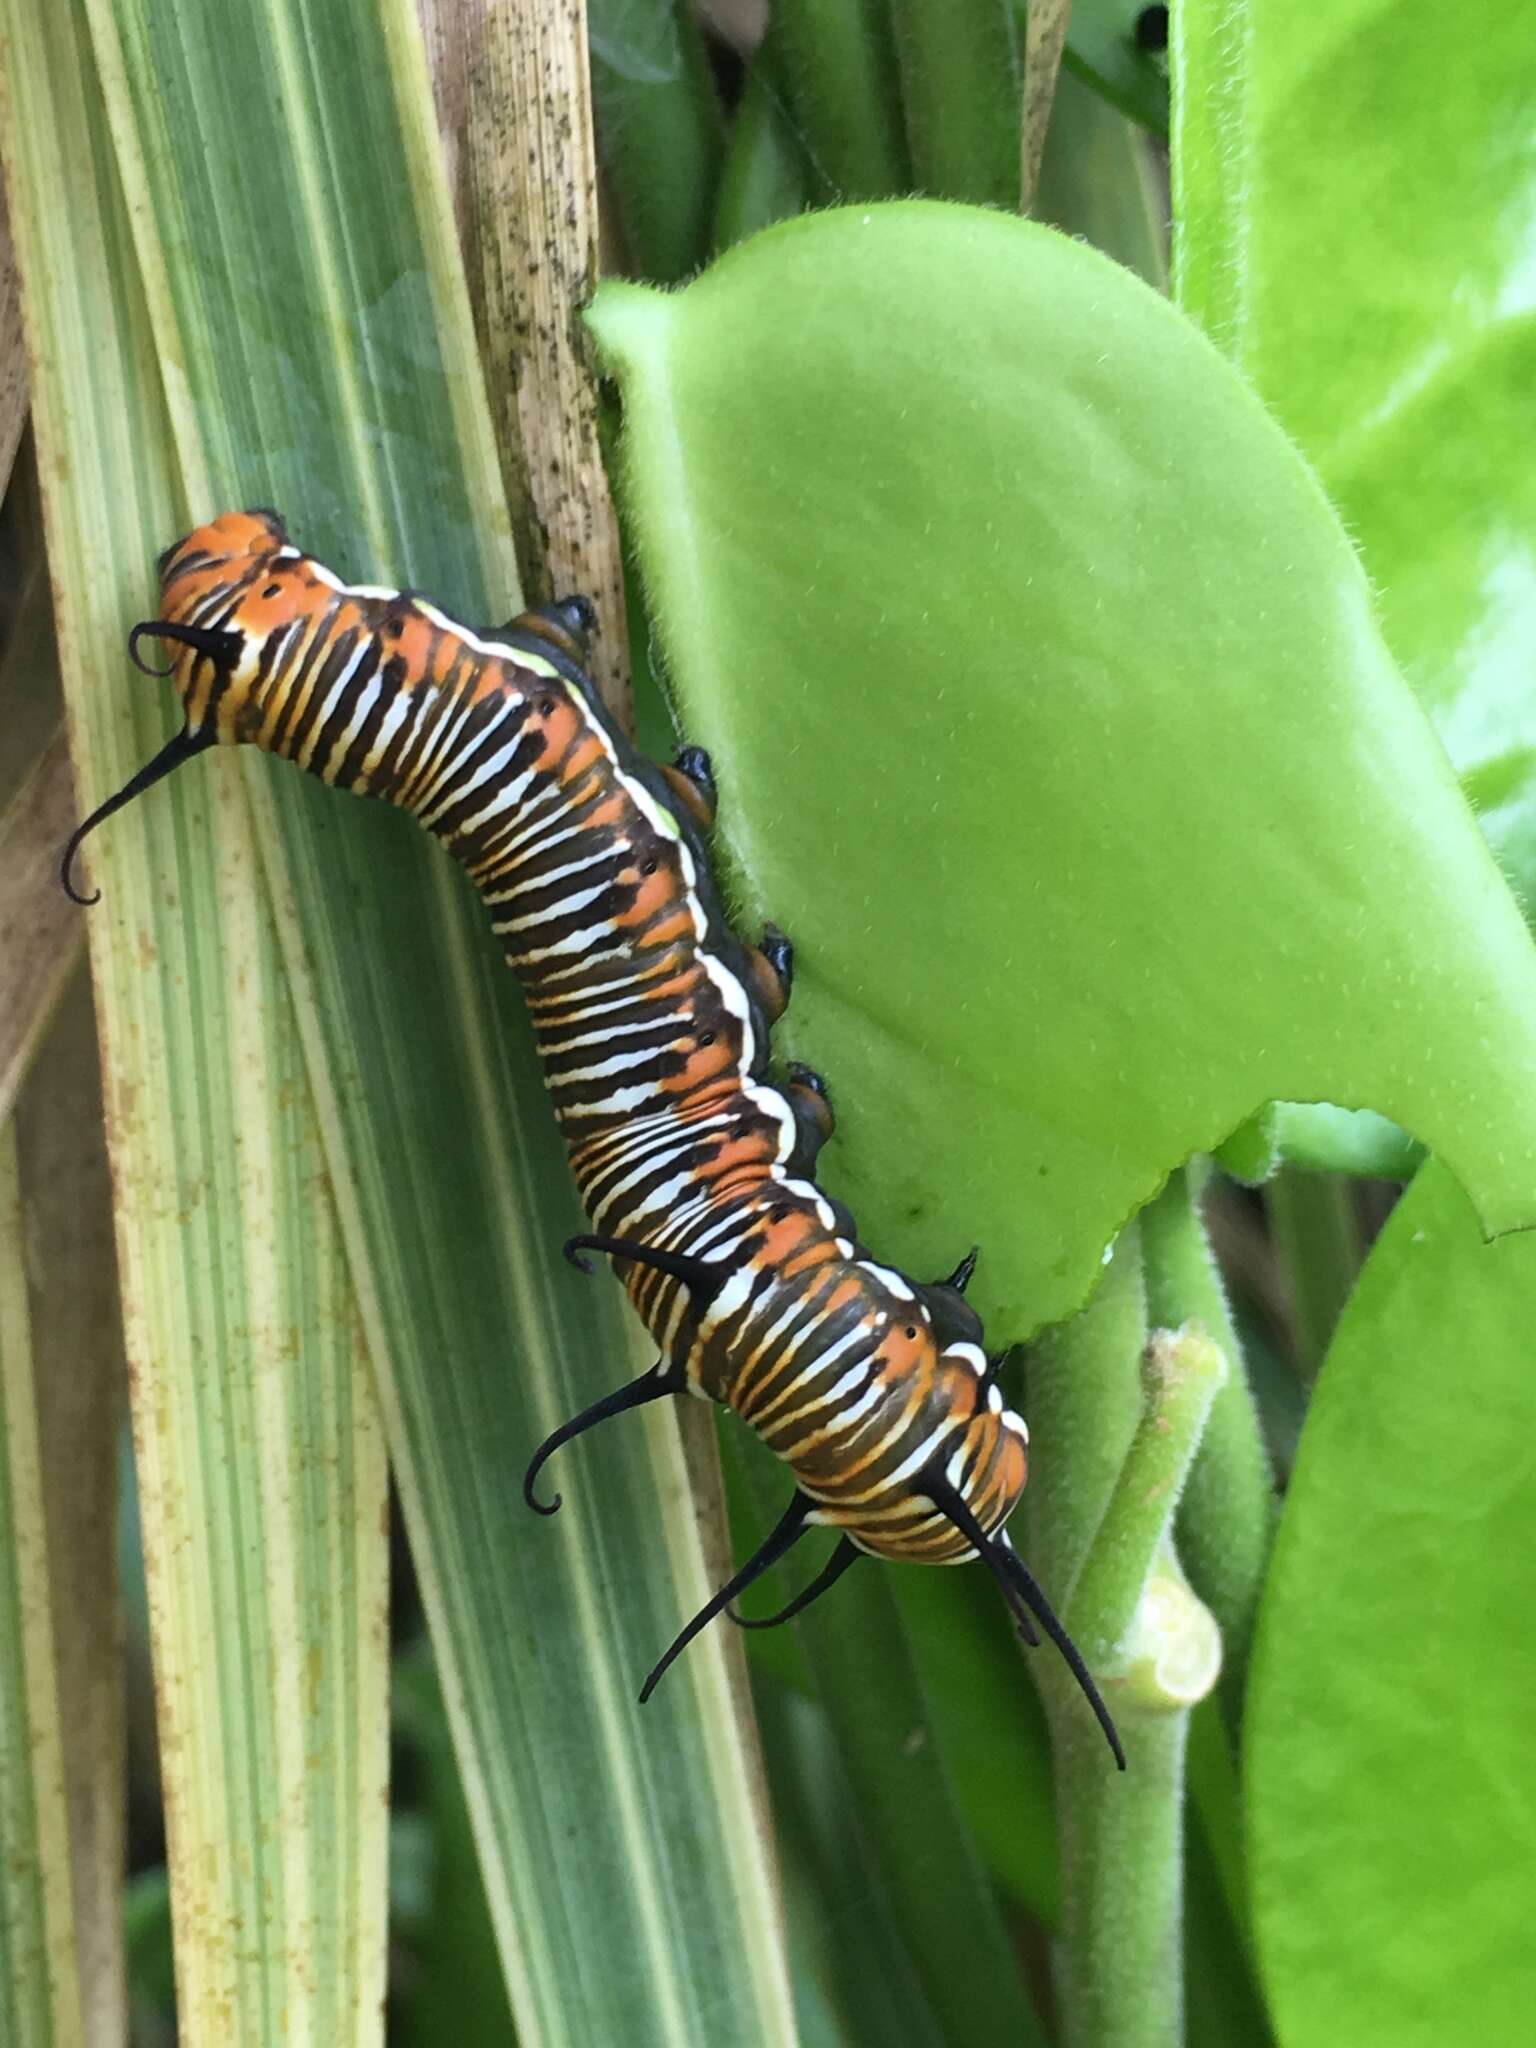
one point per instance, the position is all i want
(260, 1458)
(280, 168)
(81, 1391)
(39, 1989)
(13, 359)
(39, 941)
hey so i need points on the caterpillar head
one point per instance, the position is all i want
(202, 580)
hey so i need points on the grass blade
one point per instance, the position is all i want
(39, 1990)
(330, 369)
(81, 1389)
(259, 1458)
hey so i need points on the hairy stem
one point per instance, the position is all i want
(1181, 1372)
(1226, 1516)
(1123, 1418)
(1119, 1963)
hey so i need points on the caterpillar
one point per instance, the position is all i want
(695, 1166)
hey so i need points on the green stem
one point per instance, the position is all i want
(1181, 1371)
(1226, 1517)
(1122, 1419)
(1082, 1403)
(1316, 1232)
(1119, 1967)
(961, 86)
(659, 133)
(764, 179)
(840, 66)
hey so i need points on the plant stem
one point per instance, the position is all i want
(840, 67)
(1083, 1399)
(1226, 1517)
(659, 133)
(1119, 1967)
(1317, 1235)
(764, 179)
(1108, 1404)
(960, 90)
(1181, 1372)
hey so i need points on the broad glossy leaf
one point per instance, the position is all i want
(1361, 245)
(1053, 723)
(1391, 1829)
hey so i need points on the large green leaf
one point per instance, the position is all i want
(1359, 245)
(312, 335)
(1391, 1828)
(1053, 723)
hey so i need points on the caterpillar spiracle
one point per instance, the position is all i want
(694, 1164)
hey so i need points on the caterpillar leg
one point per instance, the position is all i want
(568, 625)
(806, 1093)
(692, 779)
(771, 971)
(655, 1385)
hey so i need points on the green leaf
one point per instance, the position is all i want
(1359, 247)
(837, 62)
(1392, 1836)
(987, 1724)
(764, 176)
(977, 568)
(1099, 178)
(1103, 51)
(658, 130)
(81, 1386)
(962, 82)
(257, 1440)
(39, 1986)
(842, 1926)
(451, 1984)
(40, 937)
(867, 1679)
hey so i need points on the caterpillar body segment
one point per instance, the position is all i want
(693, 1162)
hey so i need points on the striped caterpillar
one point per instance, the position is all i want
(653, 1023)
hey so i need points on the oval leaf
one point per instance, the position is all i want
(1392, 1835)
(1053, 723)
(1376, 290)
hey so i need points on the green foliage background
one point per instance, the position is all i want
(1065, 656)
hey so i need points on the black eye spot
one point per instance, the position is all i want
(273, 590)
(650, 867)
(778, 1214)
(911, 1329)
(706, 1038)
(546, 707)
